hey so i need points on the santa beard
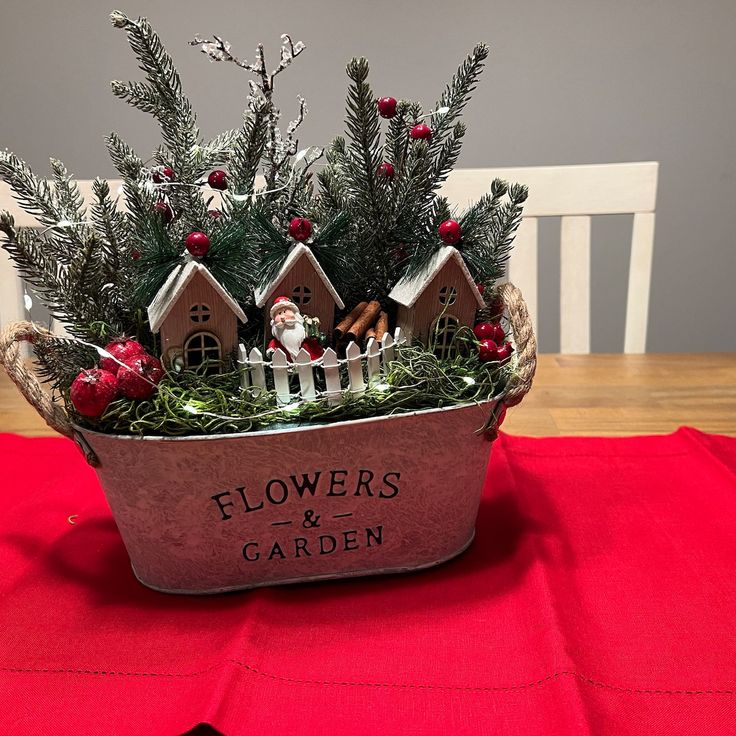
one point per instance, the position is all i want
(290, 334)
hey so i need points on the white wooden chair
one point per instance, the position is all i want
(575, 193)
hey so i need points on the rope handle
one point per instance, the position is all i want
(55, 415)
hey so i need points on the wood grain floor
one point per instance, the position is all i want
(611, 395)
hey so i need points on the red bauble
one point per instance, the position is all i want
(163, 209)
(300, 229)
(140, 375)
(197, 244)
(504, 351)
(164, 174)
(386, 170)
(92, 391)
(217, 179)
(489, 331)
(214, 214)
(386, 107)
(121, 350)
(488, 351)
(450, 232)
(421, 132)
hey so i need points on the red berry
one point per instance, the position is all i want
(481, 288)
(121, 350)
(386, 170)
(504, 351)
(421, 132)
(163, 174)
(163, 209)
(450, 232)
(488, 351)
(197, 244)
(489, 331)
(92, 391)
(217, 179)
(386, 107)
(138, 378)
(300, 229)
(135, 255)
(214, 214)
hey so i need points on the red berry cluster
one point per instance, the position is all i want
(492, 346)
(128, 370)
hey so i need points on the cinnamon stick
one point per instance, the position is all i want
(347, 322)
(366, 320)
(370, 334)
(381, 326)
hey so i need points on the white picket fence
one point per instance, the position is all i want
(377, 355)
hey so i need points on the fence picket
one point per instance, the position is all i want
(355, 368)
(387, 345)
(280, 368)
(258, 374)
(332, 377)
(373, 360)
(303, 362)
(243, 366)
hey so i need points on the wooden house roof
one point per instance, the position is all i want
(263, 295)
(407, 291)
(175, 286)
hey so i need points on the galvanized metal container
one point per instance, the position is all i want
(218, 513)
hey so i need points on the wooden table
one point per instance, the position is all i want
(572, 395)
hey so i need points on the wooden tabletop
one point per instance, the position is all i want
(572, 395)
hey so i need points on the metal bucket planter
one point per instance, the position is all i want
(224, 512)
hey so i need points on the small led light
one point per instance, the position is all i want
(470, 381)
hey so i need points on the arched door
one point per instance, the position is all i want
(200, 347)
(442, 334)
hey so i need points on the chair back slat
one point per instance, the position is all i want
(575, 284)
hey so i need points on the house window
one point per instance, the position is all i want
(301, 295)
(200, 313)
(200, 347)
(448, 295)
(442, 335)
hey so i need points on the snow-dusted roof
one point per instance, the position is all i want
(174, 287)
(263, 295)
(407, 291)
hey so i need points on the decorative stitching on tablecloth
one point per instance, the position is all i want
(387, 685)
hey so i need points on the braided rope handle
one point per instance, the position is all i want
(526, 345)
(11, 338)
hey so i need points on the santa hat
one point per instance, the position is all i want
(282, 302)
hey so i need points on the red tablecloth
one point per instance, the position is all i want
(598, 598)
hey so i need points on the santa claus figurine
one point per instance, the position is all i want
(289, 335)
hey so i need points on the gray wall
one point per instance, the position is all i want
(572, 81)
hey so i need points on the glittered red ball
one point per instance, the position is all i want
(197, 244)
(450, 232)
(121, 350)
(421, 132)
(488, 351)
(164, 174)
(217, 179)
(489, 331)
(386, 107)
(504, 351)
(140, 375)
(92, 391)
(163, 209)
(386, 170)
(300, 229)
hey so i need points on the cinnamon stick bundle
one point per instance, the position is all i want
(347, 321)
(381, 326)
(366, 320)
(370, 334)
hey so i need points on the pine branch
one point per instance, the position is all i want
(34, 195)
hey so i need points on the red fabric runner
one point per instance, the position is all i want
(598, 598)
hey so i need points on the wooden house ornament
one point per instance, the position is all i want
(438, 301)
(196, 316)
(303, 280)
